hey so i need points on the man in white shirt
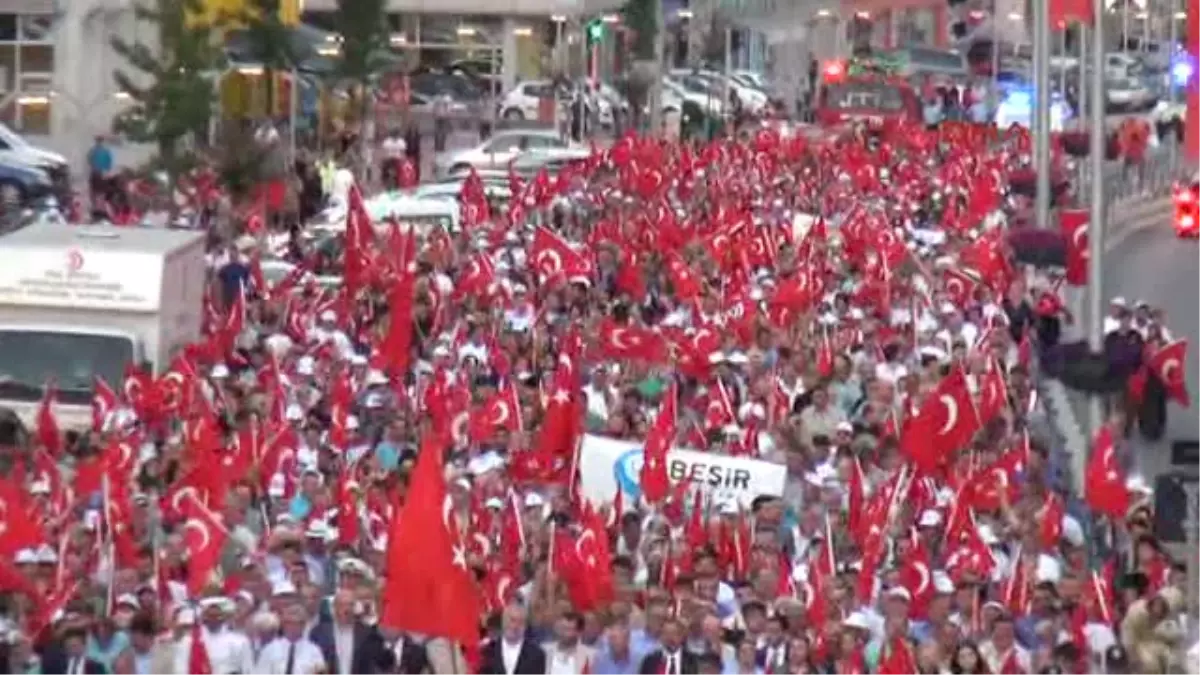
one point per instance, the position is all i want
(1001, 652)
(566, 656)
(512, 653)
(292, 653)
(228, 649)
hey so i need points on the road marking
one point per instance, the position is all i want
(1139, 217)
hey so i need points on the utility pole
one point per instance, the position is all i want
(1041, 126)
(656, 85)
(1096, 224)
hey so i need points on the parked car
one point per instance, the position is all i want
(505, 146)
(14, 149)
(1129, 93)
(460, 87)
(21, 182)
(752, 99)
(523, 100)
(698, 91)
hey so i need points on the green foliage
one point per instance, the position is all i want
(238, 158)
(169, 86)
(268, 40)
(642, 17)
(363, 27)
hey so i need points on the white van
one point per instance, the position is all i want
(83, 301)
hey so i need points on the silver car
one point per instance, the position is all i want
(503, 147)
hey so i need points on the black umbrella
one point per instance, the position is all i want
(1038, 247)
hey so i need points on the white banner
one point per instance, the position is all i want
(606, 463)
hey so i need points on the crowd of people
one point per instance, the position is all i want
(396, 475)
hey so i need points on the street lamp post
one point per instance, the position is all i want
(1041, 127)
(1096, 224)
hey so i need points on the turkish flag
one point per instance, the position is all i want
(429, 588)
(1104, 482)
(502, 411)
(898, 659)
(198, 661)
(945, 422)
(48, 433)
(554, 260)
(654, 479)
(1050, 518)
(1168, 365)
(204, 537)
(1074, 226)
(916, 576)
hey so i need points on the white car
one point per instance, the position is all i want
(275, 270)
(697, 91)
(754, 100)
(522, 101)
(505, 146)
(1129, 93)
(752, 78)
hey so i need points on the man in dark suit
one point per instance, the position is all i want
(672, 658)
(512, 653)
(71, 658)
(349, 645)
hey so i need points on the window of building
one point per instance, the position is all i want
(8, 27)
(26, 71)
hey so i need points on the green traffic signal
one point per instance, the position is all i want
(595, 31)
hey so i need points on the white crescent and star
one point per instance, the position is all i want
(175, 499)
(502, 414)
(502, 587)
(549, 262)
(951, 414)
(458, 554)
(202, 529)
(1169, 367)
(617, 338)
(588, 557)
(458, 427)
(923, 577)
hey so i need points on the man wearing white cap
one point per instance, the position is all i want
(327, 331)
(228, 649)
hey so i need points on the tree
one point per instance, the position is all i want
(364, 49)
(268, 41)
(175, 103)
(641, 16)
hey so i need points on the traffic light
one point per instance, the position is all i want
(595, 31)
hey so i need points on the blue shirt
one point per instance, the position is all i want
(108, 652)
(388, 455)
(100, 159)
(605, 664)
(641, 642)
(300, 507)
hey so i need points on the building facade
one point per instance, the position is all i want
(57, 64)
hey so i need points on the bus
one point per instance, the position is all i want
(872, 99)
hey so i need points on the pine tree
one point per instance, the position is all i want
(170, 86)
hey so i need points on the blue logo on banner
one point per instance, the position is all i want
(627, 473)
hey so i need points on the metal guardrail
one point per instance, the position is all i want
(1125, 183)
